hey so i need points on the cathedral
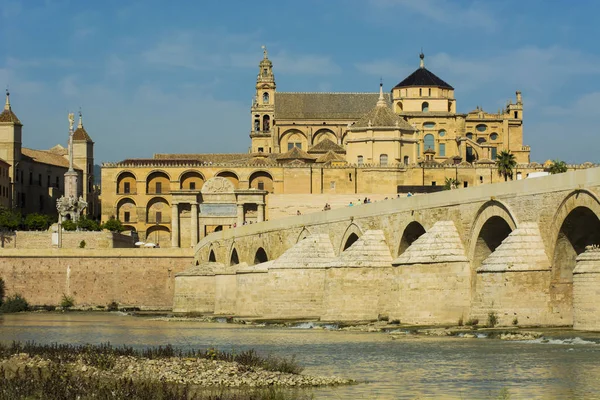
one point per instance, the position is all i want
(308, 150)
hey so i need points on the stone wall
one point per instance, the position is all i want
(131, 277)
(70, 240)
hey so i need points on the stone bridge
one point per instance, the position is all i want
(510, 249)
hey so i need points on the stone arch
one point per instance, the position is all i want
(303, 234)
(576, 224)
(126, 204)
(292, 136)
(123, 178)
(261, 180)
(493, 223)
(160, 235)
(211, 256)
(260, 256)
(191, 180)
(230, 176)
(158, 182)
(155, 206)
(234, 259)
(411, 232)
(352, 234)
(322, 134)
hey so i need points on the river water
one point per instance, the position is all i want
(406, 368)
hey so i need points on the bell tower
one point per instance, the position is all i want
(262, 132)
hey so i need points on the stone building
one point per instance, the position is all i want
(35, 178)
(307, 149)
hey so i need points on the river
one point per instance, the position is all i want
(406, 368)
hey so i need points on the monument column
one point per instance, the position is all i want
(194, 232)
(175, 225)
(261, 213)
(240, 214)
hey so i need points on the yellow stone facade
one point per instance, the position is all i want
(340, 145)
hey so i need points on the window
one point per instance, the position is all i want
(399, 106)
(48, 181)
(41, 203)
(425, 107)
(39, 179)
(470, 136)
(265, 98)
(57, 182)
(516, 114)
(481, 127)
(158, 217)
(158, 187)
(350, 177)
(261, 149)
(126, 187)
(442, 133)
(192, 185)
(465, 184)
(429, 125)
(266, 123)
(383, 160)
(430, 96)
(126, 216)
(494, 153)
(359, 160)
(31, 178)
(406, 160)
(332, 185)
(429, 142)
(494, 136)
(292, 145)
(433, 183)
(442, 152)
(418, 149)
(481, 140)
(261, 185)
(420, 92)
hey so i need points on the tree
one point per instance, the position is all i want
(505, 162)
(451, 183)
(113, 225)
(557, 167)
(86, 224)
(37, 222)
(69, 225)
(9, 220)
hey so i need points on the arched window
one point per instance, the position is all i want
(470, 136)
(383, 159)
(399, 106)
(429, 142)
(266, 123)
(265, 98)
(481, 140)
(425, 106)
(406, 160)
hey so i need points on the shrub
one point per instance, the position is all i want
(492, 319)
(113, 306)
(113, 225)
(2, 290)
(515, 321)
(67, 301)
(9, 220)
(69, 225)
(82, 244)
(460, 321)
(37, 222)
(472, 322)
(86, 224)
(14, 304)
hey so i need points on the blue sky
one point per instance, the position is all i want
(178, 77)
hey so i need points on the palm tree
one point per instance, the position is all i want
(505, 162)
(557, 167)
(450, 184)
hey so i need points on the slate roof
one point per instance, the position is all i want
(45, 157)
(423, 77)
(325, 146)
(59, 149)
(350, 106)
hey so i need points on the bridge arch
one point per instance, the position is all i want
(260, 256)
(493, 223)
(352, 234)
(303, 234)
(234, 259)
(576, 224)
(411, 232)
(211, 256)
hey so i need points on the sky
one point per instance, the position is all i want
(178, 77)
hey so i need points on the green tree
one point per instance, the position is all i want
(37, 222)
(451, 183)
(9, 220)
(69, 225)
(86, 224)
(557, 167)
(113, 225)
(506, 163)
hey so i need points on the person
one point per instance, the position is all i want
(350, 205)
(365, 201)
(368, 201)
(298, 212)
(157, 245)
(235, 224)
(408, 194)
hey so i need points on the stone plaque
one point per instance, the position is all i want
(218, 210)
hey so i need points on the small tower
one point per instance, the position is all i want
(263, 108)
(10, 140)
(83, 157)
(70, 205)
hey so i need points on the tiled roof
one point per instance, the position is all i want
(350, 106)
(9, 116)
(382, 117)
(423, 77)
(325, 146)
(330, 156)
(45, 157)
(296, 153)
(81, 134)
(210, 157)
(60, 150)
